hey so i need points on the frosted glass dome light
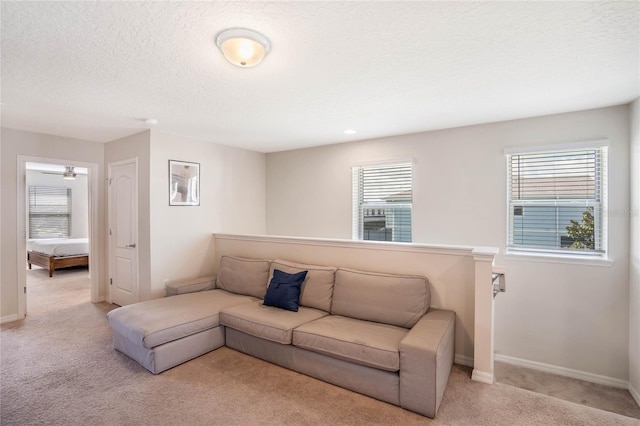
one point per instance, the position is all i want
(243, 47)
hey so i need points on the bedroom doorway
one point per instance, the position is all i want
(57, 232)
(57, 235)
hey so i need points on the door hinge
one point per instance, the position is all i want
(110, 232)
(25, 290)
(110, 281)
(109, 180)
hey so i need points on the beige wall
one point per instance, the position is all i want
(232, 200)
(634, 291)
(15, 143)
(562, 314)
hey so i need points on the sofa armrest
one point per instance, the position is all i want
(426, 358)
(191, 285)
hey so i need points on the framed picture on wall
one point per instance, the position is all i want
(184, 183)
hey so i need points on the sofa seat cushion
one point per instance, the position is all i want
(268, 322)
(362, 342)
(158, 321)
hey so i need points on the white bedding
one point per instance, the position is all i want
(59, 246)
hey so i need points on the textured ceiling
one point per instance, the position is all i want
(96, 70)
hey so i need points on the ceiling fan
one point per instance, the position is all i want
(69, 173)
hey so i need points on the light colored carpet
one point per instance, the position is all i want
(592, 394)
(58, 367)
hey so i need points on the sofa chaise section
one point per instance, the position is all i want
(163, 333)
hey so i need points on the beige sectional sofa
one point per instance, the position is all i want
(368, 332)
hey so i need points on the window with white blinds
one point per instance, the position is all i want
(557, 201)
(382, 202)
(49, 211)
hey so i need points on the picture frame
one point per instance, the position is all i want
(184, 183)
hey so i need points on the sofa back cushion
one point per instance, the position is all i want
(386, 298)
(243, 276)
(317, 288)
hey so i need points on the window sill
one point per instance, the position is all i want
(558, 258)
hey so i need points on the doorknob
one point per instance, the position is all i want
(131, 245)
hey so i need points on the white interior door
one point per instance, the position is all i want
(123, 232)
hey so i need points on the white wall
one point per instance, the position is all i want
(568, 315)
(2, 204)
(79, 198)
(15, 143)
(634, 290)
(232, 200)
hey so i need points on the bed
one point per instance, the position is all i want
(56, 253)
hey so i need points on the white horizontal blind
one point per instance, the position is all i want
(382, 202)
(557, 201)
(49, 211)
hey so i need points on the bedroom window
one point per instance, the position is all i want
(557, 201)
(49, 211)
(382, 202)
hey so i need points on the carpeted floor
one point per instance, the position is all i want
(592, 394)
(58, 367)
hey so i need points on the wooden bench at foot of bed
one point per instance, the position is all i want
(56, 262)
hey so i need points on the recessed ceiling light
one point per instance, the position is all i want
(350, 132)
(151, 122)
(243, 47)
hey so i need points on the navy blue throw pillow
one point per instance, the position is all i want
(284, 290)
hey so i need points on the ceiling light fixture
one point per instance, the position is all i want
(151, 122)
(243, 47)
(69, 173)
(350, 132)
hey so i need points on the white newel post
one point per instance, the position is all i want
(483, 317)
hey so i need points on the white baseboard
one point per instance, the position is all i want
(482, 377)
(463, 360)
(9, 318)
(634, 393)
(562, 371)
(476, 375)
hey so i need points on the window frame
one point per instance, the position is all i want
(358, 205)
(599, 205)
